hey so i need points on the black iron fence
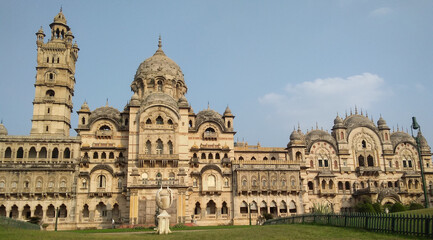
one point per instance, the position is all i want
(10, 222)
(406, 224)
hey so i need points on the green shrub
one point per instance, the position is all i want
(179, 226)
(267, 216)
(365, 208)
(34, 220)
(397, 207)
(415, 206)
(377, 207)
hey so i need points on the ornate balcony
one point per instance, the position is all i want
(161, 159)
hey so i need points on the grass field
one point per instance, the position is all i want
(423, 211)
(297, 231)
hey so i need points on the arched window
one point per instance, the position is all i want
(55, 153)
(8, 152)
(347, 186)
(86, 211)
(264, 183)
(148, 121)
(211, 181)
(331, 184)
(32, 152)
(111, 155)
(203, 156)
(311, 163)
(119, 183)
(190, 123)
(50, 93)
(253, 159)
(105, 128)
(364, 144)
(253, 207)
(370, 161)
(170, 147)
(229, 124)
(159, 86)
(103, 155)
(197, 209)
(310, 186)
(335, 164)
(224, 208)
(95, 155)
(265, 158)
(217, 156)
(63, 212)
(341, 135)
(170, 122)
(101, 181)
(244, 207)
(210, 156)
(20, 153)
(51, 75)
(101, 208)
(340, 186)
(292, 207)
(241, 158)
(283, 207)
(273, 158)
(51, 212)
(323, 184)
(43, 153)
(386, 136)
(263, 208)
(298, 156)
(171, 176)
(148, 147)
(58, 60)
(159, 120)
(361, 161)
(159, 147)
(67, 153)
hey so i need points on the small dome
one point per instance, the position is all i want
(3, 130)
(191, 111)
(338, 120)
(40, 31)
(295, 136)
(159, 65)
(85, 106)
(60, 18)
(423, 142)
(228, 112)
(183, 102)
(135, 100)
(381, 123)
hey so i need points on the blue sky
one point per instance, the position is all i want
(275, 63)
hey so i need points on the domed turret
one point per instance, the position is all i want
(135, 100)
(423, 142)
(3, 130)
(295, 136)
(381, 123)
(227, 112)
(85, 107)
(60, 18)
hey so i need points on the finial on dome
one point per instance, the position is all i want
(356, 109)
(159, 41)
(208, 106)
(362, 112)
(350, 111)
(317, 126)
(366, 113)
(346, 113)
(398, 129)
(106, 103)
(299, 127)
(61, 8)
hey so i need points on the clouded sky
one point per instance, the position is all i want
(275, 63)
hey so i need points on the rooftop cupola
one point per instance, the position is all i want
(59, 27)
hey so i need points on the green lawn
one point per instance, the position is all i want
(427, 211)
(297, 231)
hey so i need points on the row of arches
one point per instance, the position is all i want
(211, 208)
(101, 211)
(52, 60)
(159, 121)
(265, 183)
(159, 147)
(103, 155)
(264, 208)
(38, 184)
(254, 158)
(210, 156)
(26, 212)
(43, 153)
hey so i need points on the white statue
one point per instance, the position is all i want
(164, 199)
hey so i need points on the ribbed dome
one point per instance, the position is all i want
(159, 65)
(107, 113)
(295, 136)
(209, 115)
(85, 107)
(356, 120)
(400, 137)
(381, 123)
(338, 120)
(319, 135)
(3, 130)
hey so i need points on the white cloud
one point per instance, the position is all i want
(312, 100)
(381, 11)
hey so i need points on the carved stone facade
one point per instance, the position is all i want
(118, 161)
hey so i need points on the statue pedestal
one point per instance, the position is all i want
(163, 223)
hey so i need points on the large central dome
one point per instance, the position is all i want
(159, 65)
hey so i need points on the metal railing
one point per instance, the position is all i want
(405, 224)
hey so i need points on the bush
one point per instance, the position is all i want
(415, 206)
(365, 208)
(397, 207)
(179, 226)
(267, 216)
(34, 220)
(377, 207)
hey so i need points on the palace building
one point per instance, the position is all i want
(120, 158)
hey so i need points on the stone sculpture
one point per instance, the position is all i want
(164, 199)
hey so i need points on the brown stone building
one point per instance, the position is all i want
(119, 159)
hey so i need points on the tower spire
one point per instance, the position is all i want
(159, 42)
